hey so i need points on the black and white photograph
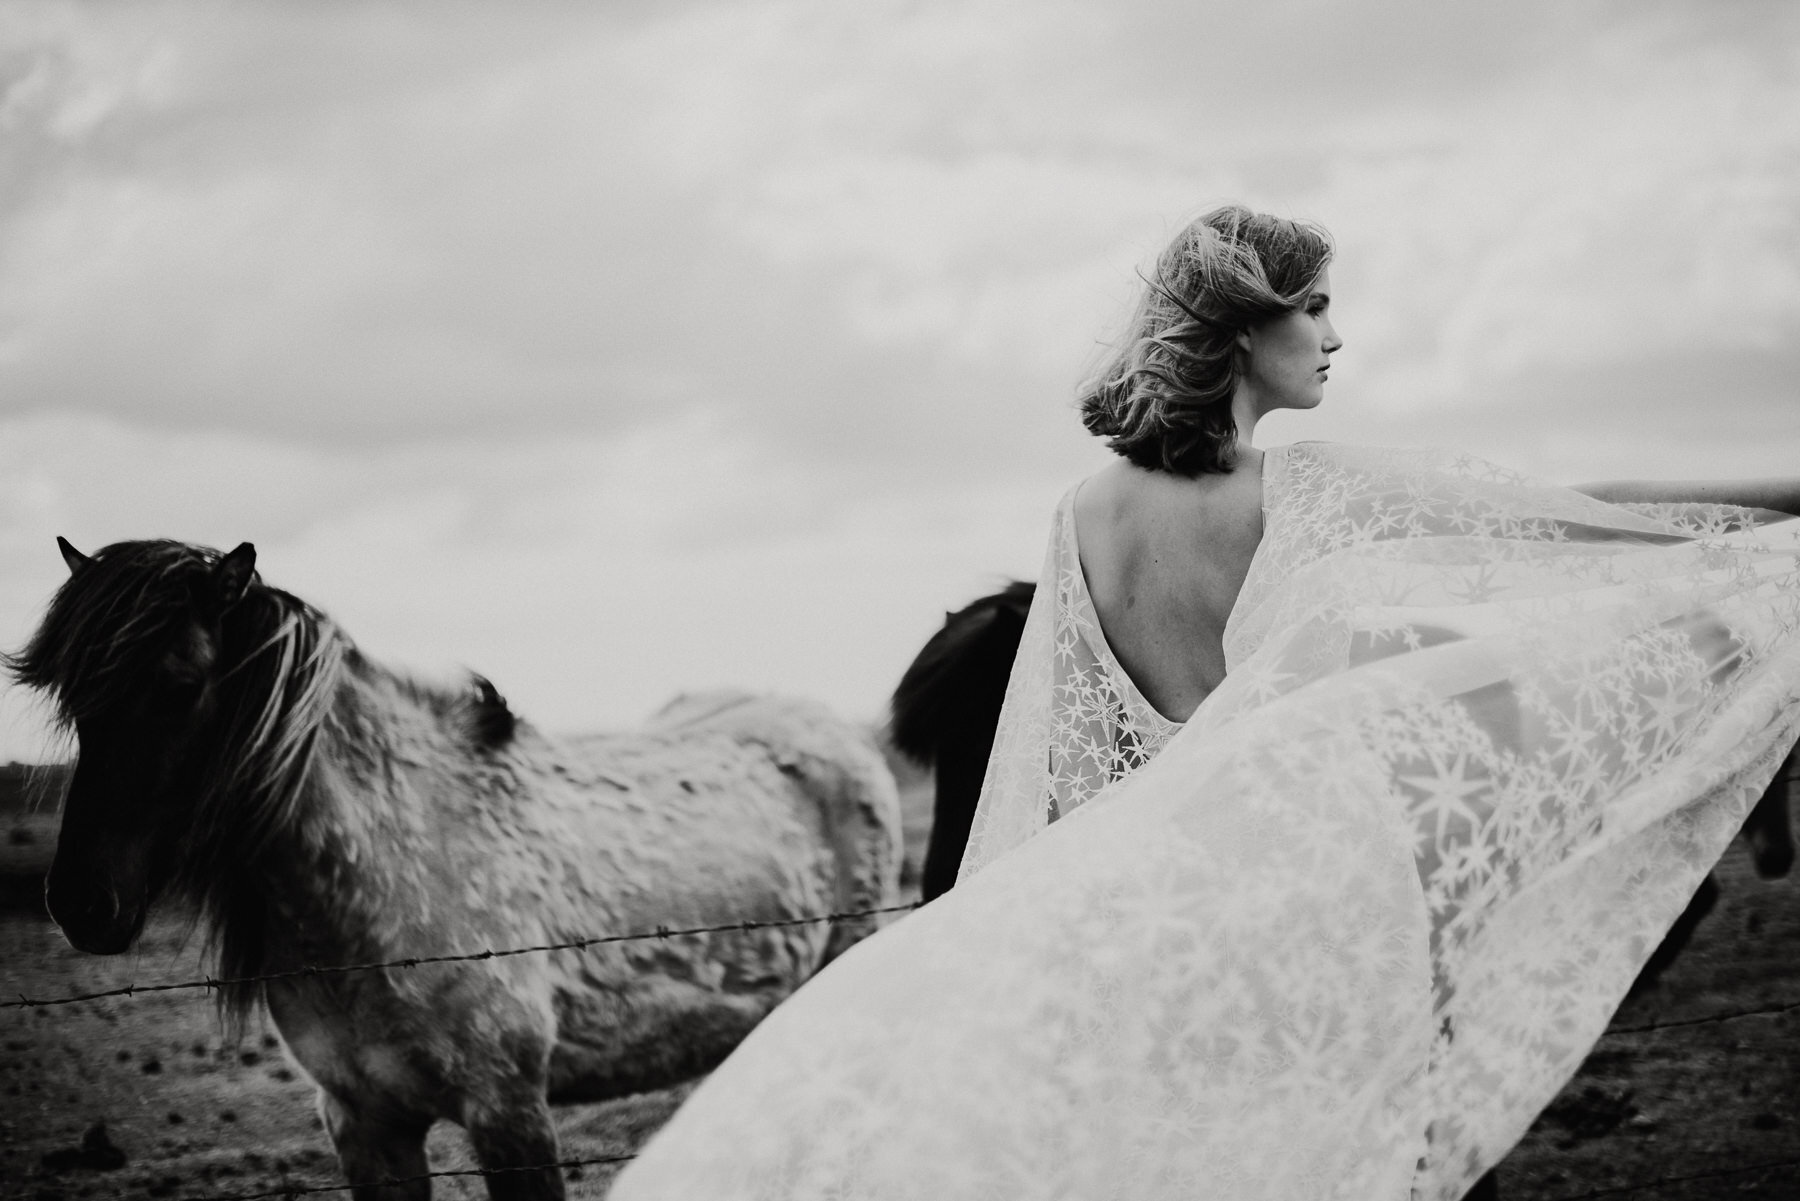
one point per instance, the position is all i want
(912, 600)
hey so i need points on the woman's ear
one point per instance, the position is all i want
(1240, 343)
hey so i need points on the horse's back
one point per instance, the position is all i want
(834, 763)
(741, 777)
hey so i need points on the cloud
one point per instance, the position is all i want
(574, 572)
(334, 223)
(612, 350)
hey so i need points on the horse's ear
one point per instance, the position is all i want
(233, 574)
(74, 558)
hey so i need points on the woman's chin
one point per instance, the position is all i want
(1310, 399)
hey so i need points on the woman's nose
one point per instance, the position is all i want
(1332, 342)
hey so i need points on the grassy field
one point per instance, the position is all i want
(195, 1116)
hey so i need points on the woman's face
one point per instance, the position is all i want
(1288, 355)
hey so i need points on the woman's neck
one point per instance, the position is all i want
(1245, 413)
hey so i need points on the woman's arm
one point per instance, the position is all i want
(1780, 493)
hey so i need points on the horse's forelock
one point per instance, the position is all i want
(104, 620)
(276, 667)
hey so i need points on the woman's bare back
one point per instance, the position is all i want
(1164, 557)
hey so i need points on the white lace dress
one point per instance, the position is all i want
(1349, 929)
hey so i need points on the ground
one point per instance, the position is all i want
(193, 1115)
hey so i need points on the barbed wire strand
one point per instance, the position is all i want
(666, 932)
(1761, 1011)
(410, 961)
(300, 1190)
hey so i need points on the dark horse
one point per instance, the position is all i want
(323, 811)
(945, 712)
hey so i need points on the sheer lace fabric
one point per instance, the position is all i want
(1345, 932)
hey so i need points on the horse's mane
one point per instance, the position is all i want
(959, 676)
(278, 668)
(492, 722)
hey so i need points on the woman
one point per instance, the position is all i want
(1337, 797)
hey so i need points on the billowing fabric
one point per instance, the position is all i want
(1346, 931)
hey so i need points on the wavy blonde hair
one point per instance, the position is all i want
(1162, 398)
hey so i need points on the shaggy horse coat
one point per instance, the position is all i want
(236, 749)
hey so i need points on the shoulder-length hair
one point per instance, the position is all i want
(1162, 398)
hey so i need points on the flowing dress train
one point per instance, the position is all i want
(1349, 928)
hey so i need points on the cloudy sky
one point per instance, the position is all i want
(615, 350)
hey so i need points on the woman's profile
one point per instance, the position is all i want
(1337, 797)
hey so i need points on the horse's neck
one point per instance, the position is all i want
(358, 853)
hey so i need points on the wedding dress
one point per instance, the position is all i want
(1349, 928)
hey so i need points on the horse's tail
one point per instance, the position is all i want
(945, 712)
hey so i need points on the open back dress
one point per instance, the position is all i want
(1344, 932)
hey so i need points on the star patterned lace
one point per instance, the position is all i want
(1348, 929)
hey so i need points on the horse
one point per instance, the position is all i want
(319, 811)
(945, 711)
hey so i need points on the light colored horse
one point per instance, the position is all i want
(236, 748)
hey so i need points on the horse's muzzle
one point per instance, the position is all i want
(92, 916)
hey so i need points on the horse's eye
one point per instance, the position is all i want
(185, 693)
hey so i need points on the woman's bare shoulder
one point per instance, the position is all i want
(1211, 516)
(1237, 507)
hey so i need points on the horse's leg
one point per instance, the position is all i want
(1485, 1189)
(1705, 897)
(949, 835)
(1770, 827)
(516, 1142)
(961, 763)
(372, 1149)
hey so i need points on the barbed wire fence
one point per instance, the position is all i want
(304, 1190)
(212, 983)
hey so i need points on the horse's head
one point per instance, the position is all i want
(133, 651)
